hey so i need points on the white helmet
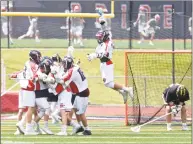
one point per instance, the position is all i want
(76, 8)
(157, 17)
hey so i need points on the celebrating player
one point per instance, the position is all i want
(32, 29)
(77, 82)
(104, 52)
(77, 27)
(174, 97)
(190, 25)
(150, 28)
(5, 24)
(141, 21)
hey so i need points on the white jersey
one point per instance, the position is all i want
(57, 72)
(76, 80)
(142, 17)
(33, 24)
(40, 85)
(104, 48)
(29, 74)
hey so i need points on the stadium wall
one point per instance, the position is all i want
(50, 27)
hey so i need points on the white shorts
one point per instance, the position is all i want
(42, 103)
(28, 98)
(80, 104)
(64, 100)
(141, 27)
(30, 32)
(77, 30)
(5, 28)
(150, 31)
(107, 72)
(20, 100)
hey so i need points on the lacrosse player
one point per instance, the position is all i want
(141, 21)
(76, 80)
(150, 28)
(21, 121)
(174, 98)
(77, 28)
(190, 25)
(5, 24)
(32, 29)
(104, 52)
(27, 84)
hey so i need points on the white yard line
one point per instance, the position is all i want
(95, 137)
(126, 132)
(97, 142)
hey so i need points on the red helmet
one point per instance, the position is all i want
(141, 8)
(157, 17)
(102, 36)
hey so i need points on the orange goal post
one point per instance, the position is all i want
(149, 72)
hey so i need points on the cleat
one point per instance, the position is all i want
(77, 130)
(125, 95)
(87, 132)
(151, 43)
(46, 130)
(169, 129)
(17, 132)
(20, 128)
(185, 128)
(62, 133)
(31, 132)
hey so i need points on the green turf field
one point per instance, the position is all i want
(103, 132)
(15, 59)
(90, 43)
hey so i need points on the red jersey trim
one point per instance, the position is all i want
(73, 87)
(66, 78)
(30, 86)
(59, 88)
(109, 62)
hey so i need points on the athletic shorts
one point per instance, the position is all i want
(28, 98)
(141, 27)
(20, 100)
(64, 100)
(5, 28)
(42, 103)
(80, 104)
(77, 30)
(107, 72)
(30, 32)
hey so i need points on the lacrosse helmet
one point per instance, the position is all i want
(102, 36)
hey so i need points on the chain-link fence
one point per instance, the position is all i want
(53, 32)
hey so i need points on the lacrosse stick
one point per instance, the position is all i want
(10, 88)
(138, 128)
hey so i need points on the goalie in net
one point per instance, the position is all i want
(174, 98)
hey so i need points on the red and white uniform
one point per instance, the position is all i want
(27, 84)
(64, 95)
(106, 66)
(41, 92)
(78, 84)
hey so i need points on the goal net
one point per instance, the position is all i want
(149, 73)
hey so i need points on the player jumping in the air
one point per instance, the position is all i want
(77, 28)
(174, 98)
(32, 30)
(190, 25)
(141, 21)
(104, 52)
(5, 24)
(151, 27)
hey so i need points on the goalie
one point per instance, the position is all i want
(174, 98)
(150, 28)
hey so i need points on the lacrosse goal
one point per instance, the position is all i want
(149, 73)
